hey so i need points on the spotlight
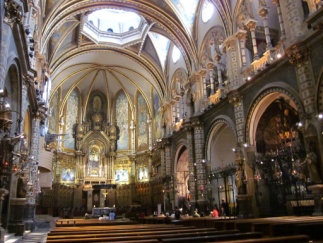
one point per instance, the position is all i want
(31, 40)
(31, 55)
(27, 31)
(31, 48)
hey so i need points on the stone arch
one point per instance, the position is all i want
(261, 102)
(222, 127)
(181, 174)
(14, 93)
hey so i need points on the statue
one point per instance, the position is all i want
(241, 187)
(311, 162)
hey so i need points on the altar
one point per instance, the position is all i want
(98, 212)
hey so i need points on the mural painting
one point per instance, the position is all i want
(71, 119)
(53, 114)
(121, 175)
(142, 121)
(122, 111)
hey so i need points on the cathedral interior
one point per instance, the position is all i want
(177, 103)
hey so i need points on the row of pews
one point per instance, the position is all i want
(235, 231)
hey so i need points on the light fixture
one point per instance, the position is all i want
(279, 55)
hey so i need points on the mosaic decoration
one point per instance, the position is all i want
(143, 174)
(53, 114)
(68, 175)
(122, 111)
(121, 175)
(71, 119)
(157, 116)
(142, 121)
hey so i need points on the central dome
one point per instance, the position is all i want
(114, 21)
(115, 27)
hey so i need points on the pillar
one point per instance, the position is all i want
(263, 13)
(280, 19)
(251, 25)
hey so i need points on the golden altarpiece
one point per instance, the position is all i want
(95, 173)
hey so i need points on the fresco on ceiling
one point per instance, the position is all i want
(56, 37)
(141, 121)
(187, 9)
(122, 111)
(71, 119)
(53, 113)
(157, 116)
(50, 4)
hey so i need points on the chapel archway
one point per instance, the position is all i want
(221, 159)
(182, 177)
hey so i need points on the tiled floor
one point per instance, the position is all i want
(37, 236)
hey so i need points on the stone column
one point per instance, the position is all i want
(241, 35)
(263, 13)
(233, 62)
(217, 59)
(251, 25)
(293, 19)
(133, 132)
(201, 177)
(32, 182)
(298, 56)
(192, 168)
(150, 138)
(203, 73)
(236, 100)
(280, 19)
(210, 71)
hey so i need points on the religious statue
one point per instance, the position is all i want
(241, 187)
(311, 162)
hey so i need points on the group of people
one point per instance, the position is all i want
(223, 211)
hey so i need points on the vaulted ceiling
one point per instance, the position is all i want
(77, 60)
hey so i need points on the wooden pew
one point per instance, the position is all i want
(215, 238)
(279, 239)
(135, 233)
(96, 229)
(154, 235)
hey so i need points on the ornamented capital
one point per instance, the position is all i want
(28, 80)
(297, 55)
(235, 99)
(12, 13)
(263, 12)
(251, 24)
(241, 34)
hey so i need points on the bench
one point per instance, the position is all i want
(313, 229)
(216, 238)
(153, 235)
(134, 233)
(94, 230)
(279, 239)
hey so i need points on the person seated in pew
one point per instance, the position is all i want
(215, 211)
(196, 215)
(112, 215)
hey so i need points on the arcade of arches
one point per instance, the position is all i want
(178, 103)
